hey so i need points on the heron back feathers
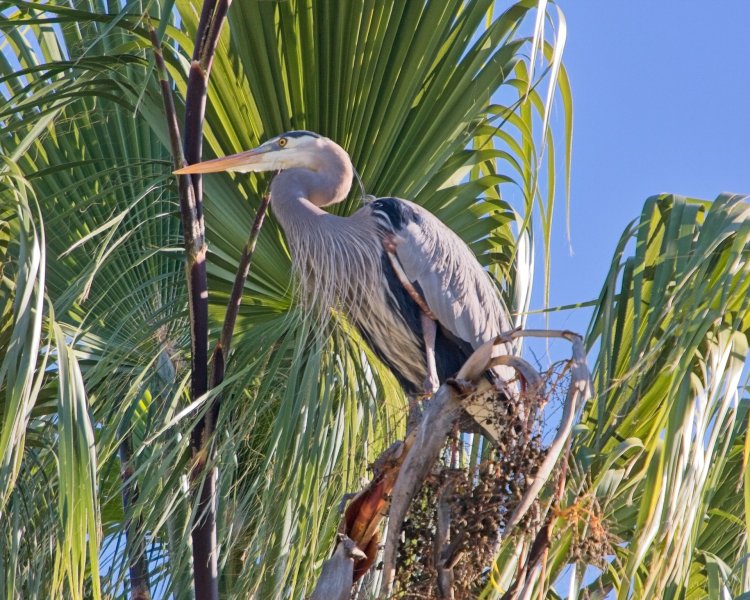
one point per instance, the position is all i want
(455, 286)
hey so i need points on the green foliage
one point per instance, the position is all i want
(406, 88)
(660, 449)
(21, 303)
(435, 101)
(33, 458)
(667, 427)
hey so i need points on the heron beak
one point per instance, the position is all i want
(256, 160)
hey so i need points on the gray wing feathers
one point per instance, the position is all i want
(455, 286)
(457, 290)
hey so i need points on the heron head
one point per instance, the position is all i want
(291, 150)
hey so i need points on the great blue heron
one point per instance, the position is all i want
(412, 287)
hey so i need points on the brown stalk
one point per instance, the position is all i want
(205, 551)
(224, 344)
(134, 543)
(205, 558)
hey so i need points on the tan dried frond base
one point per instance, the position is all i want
(476, 503)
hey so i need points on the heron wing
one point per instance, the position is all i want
(458, 291)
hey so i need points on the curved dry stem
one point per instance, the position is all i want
(578, 392)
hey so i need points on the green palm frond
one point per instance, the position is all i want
(409, 90)
(22, 272)
(660, 447)
(34, 372)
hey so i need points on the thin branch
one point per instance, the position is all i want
(223, 346)
(135, 545)
(242, 272)
(578, 393)
(539, 550)
(175, 140)
(235, 299)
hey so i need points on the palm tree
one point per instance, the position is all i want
(435, 101)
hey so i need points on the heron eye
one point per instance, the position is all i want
(282, 142)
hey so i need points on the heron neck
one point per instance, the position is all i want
(298, 194)
(289, 199)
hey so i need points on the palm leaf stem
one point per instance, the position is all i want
(224, 343)
(136, 546)
(243, 270)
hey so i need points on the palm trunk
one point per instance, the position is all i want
(205, 558)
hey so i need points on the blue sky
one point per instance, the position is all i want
(661, 94)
